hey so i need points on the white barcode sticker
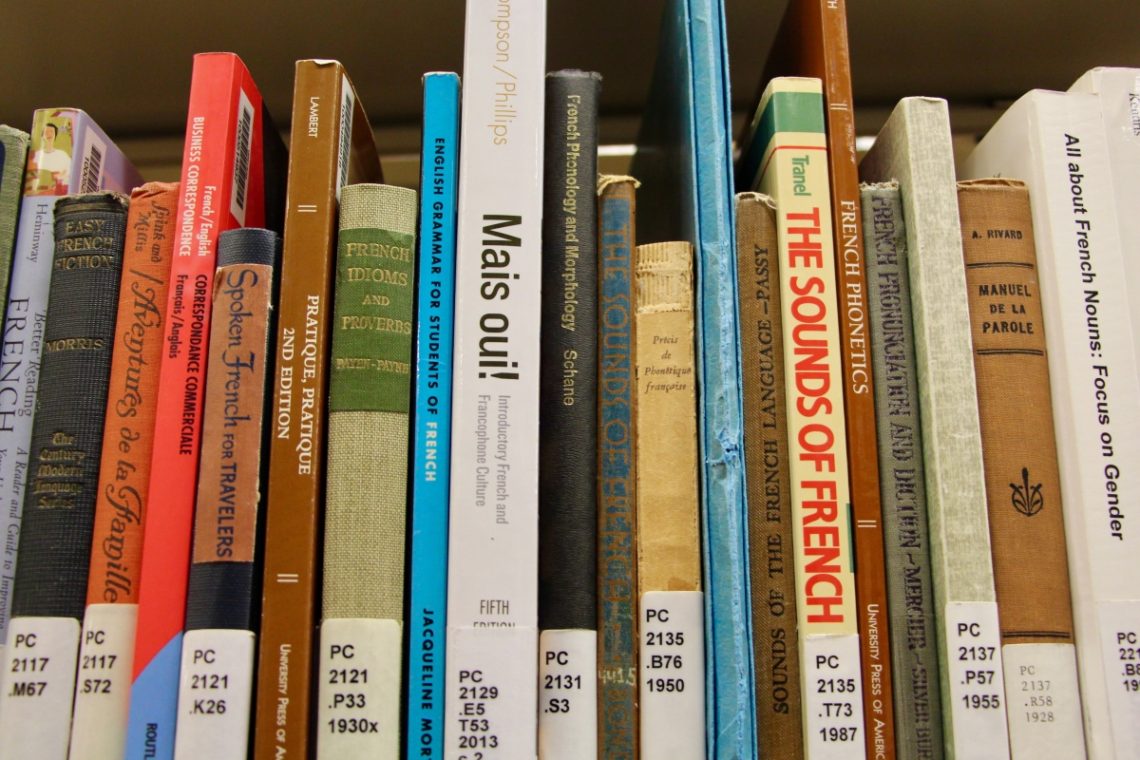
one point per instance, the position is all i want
(215, 694)
(1042, 700)
(491, 682)
(977, 686)
(672, 667)
(567, 694)
(358, 707)
(103, 684)
(833, 696)
(243, 142)
(1120, 639)
(38, 686)
(91, 170)
(344, 120)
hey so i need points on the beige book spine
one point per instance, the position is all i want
(667, 488)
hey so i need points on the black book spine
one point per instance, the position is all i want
(67, 434)
(228, 538)
(568, 409)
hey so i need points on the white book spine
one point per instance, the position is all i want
(492, 639)
(915, 148)
(103, 684)
(38, 688)
(1119, 91)
(1056, 143)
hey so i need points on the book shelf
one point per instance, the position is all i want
(128, 65)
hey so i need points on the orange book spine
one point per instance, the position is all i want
(132, 402)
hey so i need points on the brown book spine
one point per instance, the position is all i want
(331, 144)
(1023, 484)
(773, 583)
(1018, 448)
(814, 43)
(124, 468)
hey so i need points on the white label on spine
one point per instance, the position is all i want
(833, 702)
(103, 684)
(215, 694)
(358, 707)
(1042, 700)
(39, 683)
(1120, 627)
(977, 690)
(568, 694)
(485, 708)
(672, 674)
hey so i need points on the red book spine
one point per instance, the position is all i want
(222, 188)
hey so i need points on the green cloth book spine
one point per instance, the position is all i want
(914, 147)
(366, 501)
(910, 595)
(13, 155)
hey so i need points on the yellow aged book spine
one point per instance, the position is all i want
(668, 550)
(671, 606)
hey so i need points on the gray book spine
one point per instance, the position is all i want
(910, 595)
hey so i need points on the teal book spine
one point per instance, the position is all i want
(431, 415)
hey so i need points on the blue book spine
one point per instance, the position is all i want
(731, 716)
(431, 426)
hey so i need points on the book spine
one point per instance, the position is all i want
(568, 427)
(369, 396)
(1095, 399)
(775, 639)
(90, 161)
(492, 573)
(335, 147)
(858, 384)
(672, 718)
(222, 188)
(915, 147)
(910, 594)
(731, 717)
(1119, 90)
(617, 512)
(431, 426)
(59, 505)
(793, 170)
(102, 697)
(218, 650)
(13, 156)
(1022, 478)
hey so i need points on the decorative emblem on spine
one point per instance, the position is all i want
(1026, 498)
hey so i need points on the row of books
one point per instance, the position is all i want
(822, 518)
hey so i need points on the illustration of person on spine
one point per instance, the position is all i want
(50, 167)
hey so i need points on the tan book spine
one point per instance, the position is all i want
(668, 547)
(1019, 453)
(335, 147)
(775, 638)
(671, 677)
